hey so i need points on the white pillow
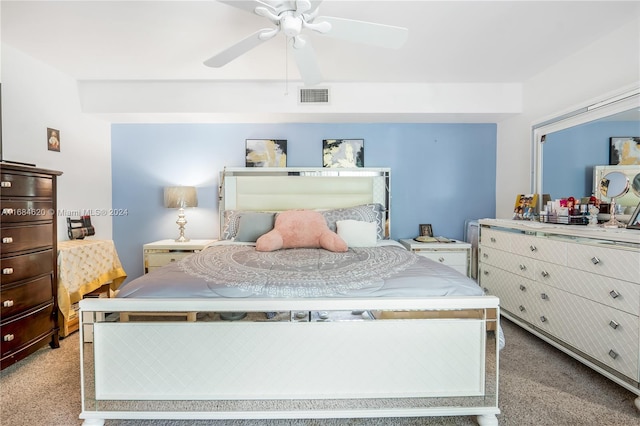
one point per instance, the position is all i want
(357, 233)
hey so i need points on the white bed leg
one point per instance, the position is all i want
(488, 420)
(636, 402)
(93, 422)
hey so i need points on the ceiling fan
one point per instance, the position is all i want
(292, 18)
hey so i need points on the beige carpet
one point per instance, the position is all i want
(539, 385)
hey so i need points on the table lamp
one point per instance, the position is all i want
(179, 197)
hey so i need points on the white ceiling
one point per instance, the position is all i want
(449, 41)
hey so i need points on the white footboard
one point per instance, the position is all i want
(443, 365)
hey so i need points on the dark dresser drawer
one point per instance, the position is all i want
(19, 238)
(15, 184)
(20, 297)
(25, 329)
(21, 267)
(17, 211)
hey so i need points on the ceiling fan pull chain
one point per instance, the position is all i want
(286, 66)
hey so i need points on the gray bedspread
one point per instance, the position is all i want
(237, 270)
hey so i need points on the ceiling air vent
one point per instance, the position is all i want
(314, 96)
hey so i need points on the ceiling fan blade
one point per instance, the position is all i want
(240, 48)
(314, 5)
(305, 57)
(365, 32)
(247, 5)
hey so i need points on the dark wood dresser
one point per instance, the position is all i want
(28, 250)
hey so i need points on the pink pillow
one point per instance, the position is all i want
(300, 229)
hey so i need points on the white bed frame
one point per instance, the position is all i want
(440, 361)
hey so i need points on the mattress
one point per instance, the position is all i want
(232, 270)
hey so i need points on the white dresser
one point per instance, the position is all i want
(576, 287)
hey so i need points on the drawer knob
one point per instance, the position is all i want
(613, 324)
(6, 184)
(614, 294)
(8, 337)
(544, 274)
(544, 296)
(7, 303)
(533, 248)
(521, 308)
(485, 290)
(595, 260)
(613, 354)
(485, 272)
(485, 255)
(493, 240)
(441, 259)
(523, 267)
(543, 318)
(522, 288)
(7, 240)
(7, 271)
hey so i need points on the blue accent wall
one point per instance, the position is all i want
(442, 174)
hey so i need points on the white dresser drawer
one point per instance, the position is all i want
(609, 262)
(161, 259)
(520, 265)
(449, 258)
(540, 249)
(612, 292)
(496, 239)
(516, 293)
(606, 334)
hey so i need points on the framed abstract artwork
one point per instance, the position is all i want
(624, 150)
(343, 153)
(266, 153)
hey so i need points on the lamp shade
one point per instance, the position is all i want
(178, 197)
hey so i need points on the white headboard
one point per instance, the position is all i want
(279, 189)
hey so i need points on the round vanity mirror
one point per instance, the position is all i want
(614, 185)
(635, 185)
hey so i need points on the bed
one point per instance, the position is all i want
(376, 331)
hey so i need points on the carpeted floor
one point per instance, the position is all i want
(539, 385)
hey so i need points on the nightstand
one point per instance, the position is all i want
(456, 254)
(163, 252)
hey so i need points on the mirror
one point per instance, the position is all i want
(568, 147)
(634, 221)
(635, 185)
(614, 185)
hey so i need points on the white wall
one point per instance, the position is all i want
(36, 96)
(605, 67)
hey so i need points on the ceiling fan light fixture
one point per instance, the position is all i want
(291, 25)
(293, 16)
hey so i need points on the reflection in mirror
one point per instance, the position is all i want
(569, 155)
(569, 146)
(634, 222)
(614, 185)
